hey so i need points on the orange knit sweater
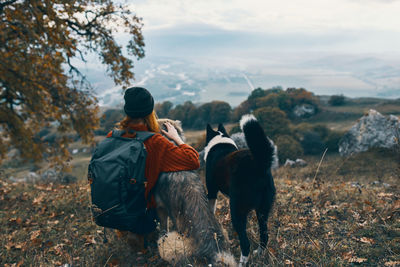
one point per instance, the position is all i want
(164, 156)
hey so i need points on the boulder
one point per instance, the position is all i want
(53, 176)
(304, 110)
(295, 163)
(371, 130)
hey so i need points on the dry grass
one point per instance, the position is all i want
(351, 215)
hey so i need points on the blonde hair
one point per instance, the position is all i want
(150, 121)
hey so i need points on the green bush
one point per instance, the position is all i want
(312, 143)
(288, 148)
(316, 138)
(332, 141)
(274, 121)
(110, 118)
(162, 109)
(337, 100)
(235, 129)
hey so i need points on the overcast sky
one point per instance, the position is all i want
(368, 26)
(349, 47)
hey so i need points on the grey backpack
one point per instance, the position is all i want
(117, 181)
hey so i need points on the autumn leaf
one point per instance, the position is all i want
(382, 194)
(38, 200)
(392, 263)
(289, 262)
(89, 240)
(357, 260)
(39, 43)
(367, 240)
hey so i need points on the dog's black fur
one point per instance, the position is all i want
(243, 175)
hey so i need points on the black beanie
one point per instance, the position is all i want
(138, 102)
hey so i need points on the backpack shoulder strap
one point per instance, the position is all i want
(143, 136)
(140, 135)
(117, 133)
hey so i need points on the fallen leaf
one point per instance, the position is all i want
(396, 205)
(347, 255)
(16, 220)
(89, 240)
(382, 194)
(272, 251)
(35, 234)
(288, 262)
(367, 240)
(357, 260)
(392, 263)
(37, 241)
(38, 200)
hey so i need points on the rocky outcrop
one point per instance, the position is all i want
(48, 176)
(304, 110)
(295, 163)
(371, 130)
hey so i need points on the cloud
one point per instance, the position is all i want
(272, 16)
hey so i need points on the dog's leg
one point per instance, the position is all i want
(239, 219)
(213, 204)
(163, 216)
(262, 218)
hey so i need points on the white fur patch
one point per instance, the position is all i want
(226, 259)
(219, 139)
(243, 260)
(213, 204)
(174, 247)
(245, 119)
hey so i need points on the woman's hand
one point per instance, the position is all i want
(172, 133)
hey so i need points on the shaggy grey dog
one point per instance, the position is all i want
(181, 196)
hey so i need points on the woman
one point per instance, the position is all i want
(162, 155)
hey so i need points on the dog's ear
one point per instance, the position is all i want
(221, 128)
(210, 133)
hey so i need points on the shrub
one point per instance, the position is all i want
(239, 111)
(316, 138)
(312, 143)
(288, 148)
(336, 100)
(235, 129)
(163, 109)
(332, 141)
(273, 120)
(110, 118)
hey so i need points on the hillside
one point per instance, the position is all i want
(335, 211)
(347, 213)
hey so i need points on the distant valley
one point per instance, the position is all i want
(203, 80)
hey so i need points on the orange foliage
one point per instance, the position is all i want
(40, 86)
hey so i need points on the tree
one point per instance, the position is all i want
(163, 109)
(337, 100)
(288, 148)
(39, 83)
(274, 121)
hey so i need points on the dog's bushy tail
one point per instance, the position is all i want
(259, 144)
(183, 195)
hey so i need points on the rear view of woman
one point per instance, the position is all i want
(162, 154)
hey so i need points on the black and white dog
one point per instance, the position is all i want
(242, 175)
